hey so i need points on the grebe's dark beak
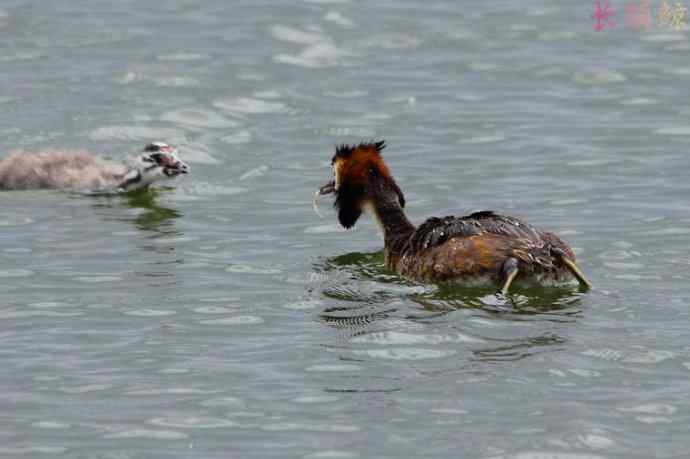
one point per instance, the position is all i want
(177, 168)
(327, 188)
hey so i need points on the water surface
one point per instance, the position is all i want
(220, 317)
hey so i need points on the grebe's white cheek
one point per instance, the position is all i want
(368, 208)
(336, 173)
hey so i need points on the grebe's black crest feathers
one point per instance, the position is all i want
(345, 151)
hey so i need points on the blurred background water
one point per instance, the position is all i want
(221, 317)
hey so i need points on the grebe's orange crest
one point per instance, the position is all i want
(353, 164)
(355, 169)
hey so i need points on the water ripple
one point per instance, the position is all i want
(149, 434)
(193, 422)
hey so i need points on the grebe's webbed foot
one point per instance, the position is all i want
(509, 271)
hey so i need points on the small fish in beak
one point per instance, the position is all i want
(326, 189)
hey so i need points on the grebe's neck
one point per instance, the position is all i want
(130, 181)
(140, 174)
(137, 178)
(391, 219)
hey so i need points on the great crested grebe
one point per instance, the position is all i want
(83, 171)
(479, 248)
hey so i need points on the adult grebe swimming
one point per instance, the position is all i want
(480, 248)
(83, 171)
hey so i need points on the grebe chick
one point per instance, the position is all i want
(480, 248)
(83, 171)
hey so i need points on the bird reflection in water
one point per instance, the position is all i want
(362, 291)
(157, 226)
(154, 217)
(159, 222)
(557, 302)
(150, 216)
(475, 325)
